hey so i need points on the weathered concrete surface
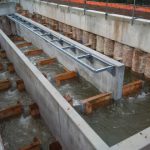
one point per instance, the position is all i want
(1, 144)
(7, 8)
(115, 27)
(139, 141)
(63, 121)
(65, 124)
(104, 81)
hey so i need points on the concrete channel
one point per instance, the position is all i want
(68, 81)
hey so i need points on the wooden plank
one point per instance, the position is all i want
(24, 45)
(46, 61)
(11, 111)
(65, 76)
(55, 146)
(20, 85)
(35, 145)
(17, 39)
(3, 54)
(5, 85)
(1, 67)
(33, 52)
(10, 68)
(132, 88)
(34, 110)
(97, 101)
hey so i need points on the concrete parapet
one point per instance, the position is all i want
(115, 27)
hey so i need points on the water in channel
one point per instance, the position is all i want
(19, 131)
(115, 122)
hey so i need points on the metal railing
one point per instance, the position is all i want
(54, 40)
(134, 10)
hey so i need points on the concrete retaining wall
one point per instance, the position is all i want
(104, 81)
(7, 8)
(115, 27)
(63, 121)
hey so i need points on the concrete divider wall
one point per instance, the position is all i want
(104, 81)
(115, 27)
(63, 121)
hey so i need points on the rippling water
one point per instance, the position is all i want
(117, 121)
(20, 131)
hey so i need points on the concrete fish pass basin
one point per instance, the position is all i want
(66, 124)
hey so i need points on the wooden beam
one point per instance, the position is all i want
(10, 68)
(5, 84)
(132, 88)
(1, 67)
(34, 110)
(11, 111)
(17, 39)
(97, 101)
(3, 54)
(35, 145)
(24, 44)
(46, 61)
(33, 52)
(55, 146)
(20, 85)
(64, 76)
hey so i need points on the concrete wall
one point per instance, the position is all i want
(7, 8)
(1, 144)
(115, 27)
(63, 121)
(104, 81)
